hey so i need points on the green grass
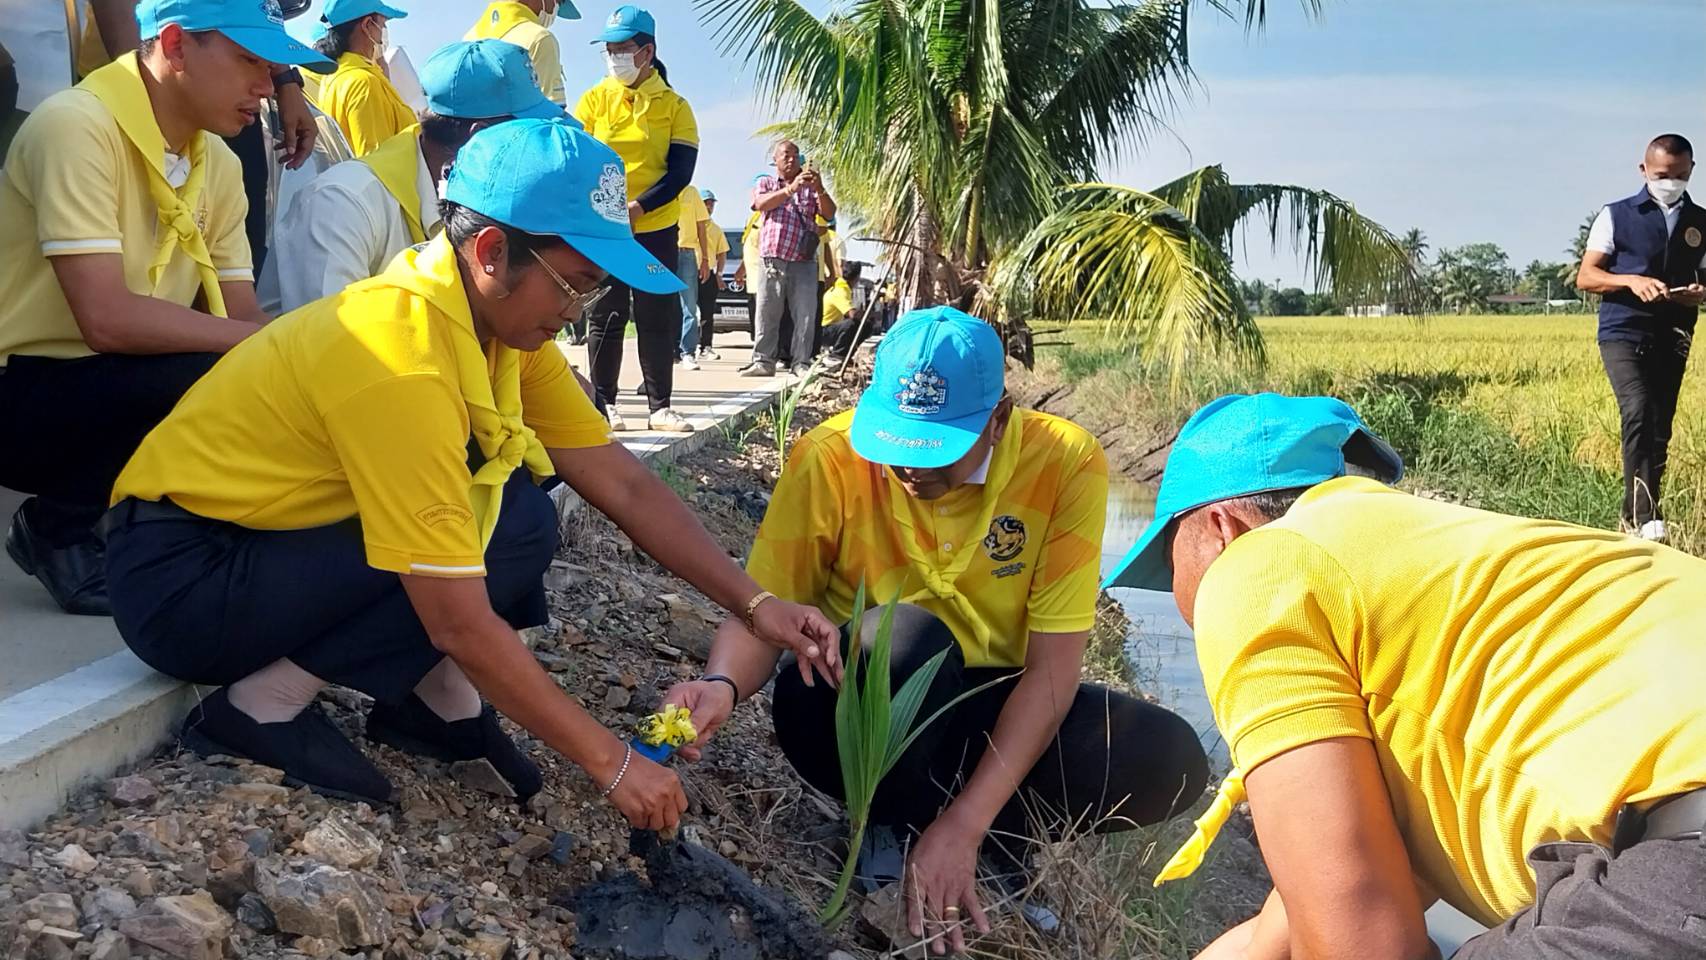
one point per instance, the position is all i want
(1511, 413)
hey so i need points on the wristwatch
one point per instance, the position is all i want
(291, 75)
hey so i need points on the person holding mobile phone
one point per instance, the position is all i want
(1645, 257)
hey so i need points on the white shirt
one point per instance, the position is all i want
(343, 227)
(1602, 235)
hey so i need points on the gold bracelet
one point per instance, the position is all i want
(752, 607)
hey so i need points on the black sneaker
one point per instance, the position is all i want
(309, 749)
(412, 727)
(75, 576)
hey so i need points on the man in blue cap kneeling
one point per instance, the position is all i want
(1417, 695)
(984, 521)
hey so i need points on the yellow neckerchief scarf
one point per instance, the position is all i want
(500, 18)
(395, 163)
(939, 579)
(118, 86)
(1190, 856)
(638, 100)
(490, 378)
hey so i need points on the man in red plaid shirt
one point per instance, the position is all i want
(789, 203)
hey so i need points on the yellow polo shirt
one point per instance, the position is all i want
(692, 214)
(352, 406)
(836, 519)
(363, 103)
(837, 301)
(516, 23)
(73, 184)
(719, 244)
(1521, 679)
(640, 123)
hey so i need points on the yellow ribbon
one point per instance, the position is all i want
(118, 86)
(490, 378)
(396, 162)
(500, 18)
(1189, 857)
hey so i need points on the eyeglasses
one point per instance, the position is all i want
(578, 302)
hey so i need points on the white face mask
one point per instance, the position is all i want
(621, 66)
(547, 17)
(382, 41)
(1667, 191)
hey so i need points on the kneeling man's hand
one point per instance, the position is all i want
(710, 702)
(941, 881)
(805, 631)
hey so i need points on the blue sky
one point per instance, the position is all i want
(1475, 120)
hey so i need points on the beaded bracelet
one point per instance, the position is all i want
(627, 758)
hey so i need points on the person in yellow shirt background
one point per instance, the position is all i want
(840, 321)
(124, 271)
(314, 511)
(358, 96)
(693, 268)
(711, 279)
(527, 24)
(984, 521)
(648, 124)
(1425, 701)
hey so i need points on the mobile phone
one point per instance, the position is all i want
(1679, 289)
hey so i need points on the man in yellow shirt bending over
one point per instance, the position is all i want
(985, 522)
(124, 270)
(1429, 702)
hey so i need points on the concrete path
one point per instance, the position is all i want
(75, 705)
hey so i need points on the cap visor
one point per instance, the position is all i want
(884, 437)
(278, 47)
(546, 110)
(567, 11)
(1145, 565)
(389, 13)
(615, 35)
(628, 262)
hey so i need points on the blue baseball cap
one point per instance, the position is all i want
(939, 374)
(255, 25)
(706, 194)
(476, 79)
(1241, 445)
(624, 22)
(548, 178)
(343, 11)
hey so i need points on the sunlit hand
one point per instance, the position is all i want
(635, 211)
(809, 634)
(1648, 289)
(941, 885)
(710, 702)
(704, 271)
(297, 129)
(649, 796)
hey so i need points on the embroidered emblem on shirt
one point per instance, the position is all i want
(1010, 570)
(610, 197)
(494, 16)
(273, 11)
(923, 391)
(1693, 236)
(1006, 539)
(444, 513)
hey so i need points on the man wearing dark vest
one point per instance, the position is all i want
(1645, 257)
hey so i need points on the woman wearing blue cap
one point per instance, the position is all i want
(358, 95)
(354, 498)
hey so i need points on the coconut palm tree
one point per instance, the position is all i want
(1415, 244)
(969, 134)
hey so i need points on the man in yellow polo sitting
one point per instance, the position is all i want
(985, 522)
(124, 269)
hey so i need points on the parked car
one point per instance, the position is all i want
(735, 309)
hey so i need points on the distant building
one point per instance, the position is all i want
(1374, 310)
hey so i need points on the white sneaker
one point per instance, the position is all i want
(688, 363)
(668, 421)
(1653, 530)
(618, 423)
(706, 353)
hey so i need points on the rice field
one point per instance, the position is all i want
(1509, 412)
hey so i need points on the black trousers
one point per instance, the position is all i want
(657, 327)
(1646, 903)
(707, 310)
(68, 427)
(1646, 377)
(1115, 763)
(212, 602)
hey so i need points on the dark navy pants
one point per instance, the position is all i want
(211, 602)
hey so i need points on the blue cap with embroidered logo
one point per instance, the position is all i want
(255, 25)
(626, 21)
(476, 79)
(343, 11)
(548, 178)
(1241, 445)
(939, 374)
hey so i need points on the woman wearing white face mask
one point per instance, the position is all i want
(358, 96)
(651, 127)
(527, 24)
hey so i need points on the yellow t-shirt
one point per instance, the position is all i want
(1521, 679)
(74, 184)
(516, 23)
(692, 214)
(719, 244)
(837, 301)
(640, 123)
(352, 406)
(836, 518)
(363, 103)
